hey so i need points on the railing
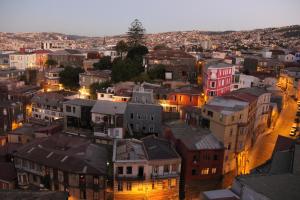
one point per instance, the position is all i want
(131, 177)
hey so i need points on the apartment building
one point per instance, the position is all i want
(147, 168)
(48, 106)
(228, 120)
(87, 78)
(11, 115)
(68, 57)
(202, 156)
(142, 115)
(64, 163)
(22, 61)
(108, 119)
(217, 78)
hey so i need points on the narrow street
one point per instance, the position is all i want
(264, 145)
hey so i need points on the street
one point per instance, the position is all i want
(264, 145)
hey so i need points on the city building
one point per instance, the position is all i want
(11, 115)
(179, 65)
(41, 58)
(11, 74)
(108, 118)
(77, 116)
(244, 81)
(147, 168)
(22, 61)
(8, 176)
(64, 163)
(142, 115)
(202, 156)
(227, 119)
(67, 57)
(217, 78)
(52, 80)
(88, 78)
(48, 106)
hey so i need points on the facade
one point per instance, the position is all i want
(179, 65)
(108, 119)
(202, 156)
(217, 78)
(11, 115)
(77, 116)
(8, 176)
(52, 80)
(289, 81)
(87, 78)
(22, 61)
(64, 163)
(228, 120)
(89, 64)
(142, 114)
(11, 74)
(48, 106)
(68, 57)
(41, 58)
(112, 94)
(243, 81)
(147, 168)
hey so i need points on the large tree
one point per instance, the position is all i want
(124, 70)
(69, 77)
(136, 53)
(135, 34)
(121, 47)
(51, 63)
(103, 63)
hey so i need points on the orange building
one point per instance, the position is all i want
(41, 58)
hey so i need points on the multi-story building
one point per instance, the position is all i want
(179, 65)
(64, 163)
(115, 94)
(288, 81)
(11, 115)
(217, 78)
(52, 80)
(243, 81)
(78, 116)
(88, 78)
(41, 58)
(108, 118)
(142, 114)
(147, 168)
(11, 74)
(68, 57)
(22, 60)
(227, 118)
(202, 156)
(48, 106)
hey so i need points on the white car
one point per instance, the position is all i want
(293, 131)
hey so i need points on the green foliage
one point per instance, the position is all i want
(135, 33)
(124, 70)
(143, 77)
(98, 86)
(157, 72)
(69, 77)
(51, 63)
(136, 53)
(104, 63)
(121, 47)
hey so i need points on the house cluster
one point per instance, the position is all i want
(170, 139)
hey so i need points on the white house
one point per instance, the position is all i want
(22, 60)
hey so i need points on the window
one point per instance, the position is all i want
(102, 95)
(129, 185)
(191, 98)
(74, 109)
(213, 170)
(231, 131)
(129, 170)
(173, 182)
(205, 171)
(152, 117)
(68, 108)
(96, 195)
(166, 168)
(120, 186)
(210, 113)
(164, 184)
(229, 146)
(131, 115)
(120, 170)
(215, 157)
(213, 84)
(240, 116)
(96, 180)
(193, 172)
(155, 169)
(232, 118)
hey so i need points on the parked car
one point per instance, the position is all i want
(293, 131)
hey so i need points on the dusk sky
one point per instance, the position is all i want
(111, 17)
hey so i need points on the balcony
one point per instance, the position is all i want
(121, 177)
(164, 175)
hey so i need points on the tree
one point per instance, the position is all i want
(98, 86)
(104, 63)
(69, 77)
(51, 63)
(157, 72)
(136, 53)
(124, 70)
(135, 34)
(121, 47)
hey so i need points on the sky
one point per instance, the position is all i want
(112, 17)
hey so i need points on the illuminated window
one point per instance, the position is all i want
(205, 171)
(140, 186)
(173, 182)
(164, 184)
(213, 170)
(155, 169)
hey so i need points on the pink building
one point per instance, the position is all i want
(217, 78)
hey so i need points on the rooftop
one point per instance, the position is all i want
(51, 98)
(109, 107)
(194, 138)
(81, 102)
(225, 194)
(225, 105)
(69, 153)
(129, 149)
